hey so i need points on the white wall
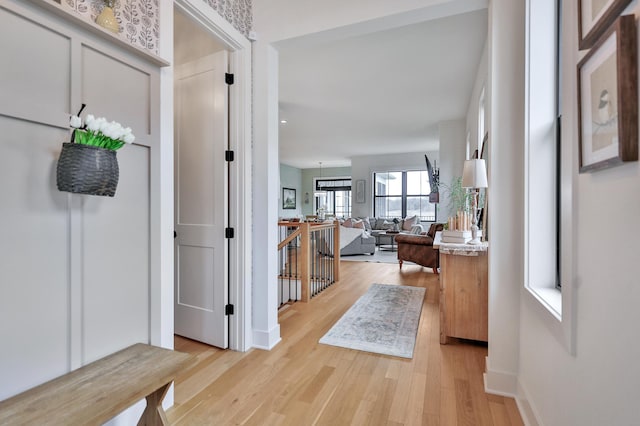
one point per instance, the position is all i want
(363, 167)
(308, 176)
(474, 102)
(266, 331)
(506, 201)
(79, 272)
(453, 152)
(599, 385)
(291, 177)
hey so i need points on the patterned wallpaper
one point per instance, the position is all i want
(139, 20)
(236, 12)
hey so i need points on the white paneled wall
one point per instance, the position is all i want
(74, 269)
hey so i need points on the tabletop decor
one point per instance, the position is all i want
(107, 18)
(608, 99)
(88, 164)
(474, 176)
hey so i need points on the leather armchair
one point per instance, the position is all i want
(419, 248)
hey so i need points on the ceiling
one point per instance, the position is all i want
(380, 93)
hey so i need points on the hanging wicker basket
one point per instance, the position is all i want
(85, 169)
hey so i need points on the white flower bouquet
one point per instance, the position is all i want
(99, 132)
(88, 164)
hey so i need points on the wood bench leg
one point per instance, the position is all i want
(154, 413)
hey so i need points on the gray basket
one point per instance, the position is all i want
(85, 169)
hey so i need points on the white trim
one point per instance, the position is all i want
(554, 307)
(527, 410)
(241, 200)
(482, 106)
(240, 191)
(499, 382)
(266, 339)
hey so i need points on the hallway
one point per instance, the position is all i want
(301, 382)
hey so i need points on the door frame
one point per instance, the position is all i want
(240, 256)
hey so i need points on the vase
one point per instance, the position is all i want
(107, 19)
(86, 169)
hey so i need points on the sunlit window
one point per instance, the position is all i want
(402, 194)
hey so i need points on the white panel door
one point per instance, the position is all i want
(201, 291)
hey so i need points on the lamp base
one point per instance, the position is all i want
(475, 233)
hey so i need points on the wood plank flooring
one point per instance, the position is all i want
(301, 382)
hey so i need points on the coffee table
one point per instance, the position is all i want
(388, 235)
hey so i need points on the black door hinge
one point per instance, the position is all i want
(175, 234)
(228, 232)
(228, 155)
(228, 78)
(228, 310)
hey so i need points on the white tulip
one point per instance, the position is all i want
(129, 138)
(92, 123)
(75, 122)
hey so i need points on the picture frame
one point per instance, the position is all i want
(607, 99)
(483, 217)
(360, 191)
(595, 17)
(288, 198)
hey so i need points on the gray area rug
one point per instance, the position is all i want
(384, 320)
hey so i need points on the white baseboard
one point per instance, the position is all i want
(509, 385)
(500, 383)
(266, 339)
(527, 412)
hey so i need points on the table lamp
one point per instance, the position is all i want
(474, 176)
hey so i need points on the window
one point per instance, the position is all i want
(402, 194)
(548, 171)
(337, 197)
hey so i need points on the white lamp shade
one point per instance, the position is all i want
(474, 174)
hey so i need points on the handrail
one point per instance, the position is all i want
(316, 259)
(290, 238)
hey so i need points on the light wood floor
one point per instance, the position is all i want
(301, 382)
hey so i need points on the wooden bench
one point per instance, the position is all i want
(99, 391)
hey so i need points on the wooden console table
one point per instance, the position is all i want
(464, 295)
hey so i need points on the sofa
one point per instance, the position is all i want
(354, 240)
(366, 244)
(419, 248)
(378, 226)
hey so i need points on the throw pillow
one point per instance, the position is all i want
(348, 223)
(386, 225)
(358, 224)
(408, 222)
(365, 221)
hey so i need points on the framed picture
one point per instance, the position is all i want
(595, 17)
(288, 198)
(608, 99)
(483, 217)
(360, 191)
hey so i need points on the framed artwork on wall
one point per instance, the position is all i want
(360, 191)
(288, 198)
(595, 17)
(608, 99)
(483, 219)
